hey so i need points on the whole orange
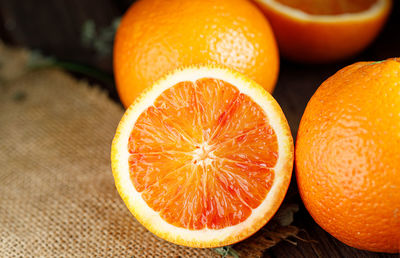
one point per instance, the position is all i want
(158, 36)
(348, 155)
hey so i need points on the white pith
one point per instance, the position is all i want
(138, 205)
(203, 154)
(370, 13)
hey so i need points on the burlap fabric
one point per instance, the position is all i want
(57, 194)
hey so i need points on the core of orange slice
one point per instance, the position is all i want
(203, 158)
(319, 31)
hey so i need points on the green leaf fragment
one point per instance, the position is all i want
(225, 251)
(377, 62)
(88, 32)
(101, 40)
(37, 61)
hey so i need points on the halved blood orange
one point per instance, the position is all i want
(203, 158)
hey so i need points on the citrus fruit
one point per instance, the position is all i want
(319, 31)
(348, 155)
(157, 36)
(203, 158)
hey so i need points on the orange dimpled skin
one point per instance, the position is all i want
(348, 156)
(158, 36)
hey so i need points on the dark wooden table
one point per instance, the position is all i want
(54, 27)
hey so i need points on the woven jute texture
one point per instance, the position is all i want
(57, 194)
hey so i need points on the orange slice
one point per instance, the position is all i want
(203, 158)
(318, 31)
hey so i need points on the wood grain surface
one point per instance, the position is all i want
(54, 27)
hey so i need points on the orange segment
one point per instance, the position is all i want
(200, 145)
(181, 101)
(153, 133)
(203, 158)
(245, 182)
(258, 146)
(213, 113)
(145, 168)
